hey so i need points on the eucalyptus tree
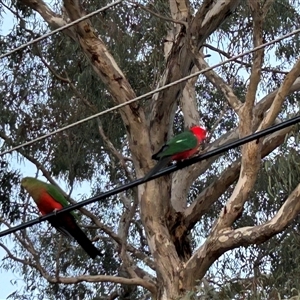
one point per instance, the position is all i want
(183, 234)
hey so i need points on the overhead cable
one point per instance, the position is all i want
(168, 170)
(42, 37)
(146, 94)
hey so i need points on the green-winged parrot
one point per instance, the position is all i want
(180, 147)
(48, 199)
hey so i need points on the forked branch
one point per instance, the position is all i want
(228, 239)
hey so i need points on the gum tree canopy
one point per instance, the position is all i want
(224, 228)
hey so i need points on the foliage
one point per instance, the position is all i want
(52, 84)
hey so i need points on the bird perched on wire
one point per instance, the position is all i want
(48, 199)
(180, 147)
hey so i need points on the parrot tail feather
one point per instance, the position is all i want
(85, 243)
(162, 163)
(66, 225)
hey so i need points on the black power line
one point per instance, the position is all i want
(165, 171)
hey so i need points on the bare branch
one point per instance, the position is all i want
(115, 237)
(111, 75)
(251, 157)
(105, 278)
(217, 122)
(179, 11)
(93, 109)
(251, 152)
(210, 15)
(282, 92)
(25, 261)
(114, 151)
(124, 224)
(219, 83)
(246, 116)
(212, 193)
(67, 80)
(39, 166)
(58, 252)
(145, 8)
(241, 62)
(27, 244)
(264, 104)
(108, 71)
(54, 20)
(216, 245)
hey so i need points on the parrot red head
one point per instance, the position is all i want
(199, 132)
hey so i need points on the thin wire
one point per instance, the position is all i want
(147, 94)
(165, 171)
(60, 28)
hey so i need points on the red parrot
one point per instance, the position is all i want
(48, 199)
(181, 146)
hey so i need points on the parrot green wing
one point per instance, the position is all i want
(182, 142)
(59, 197)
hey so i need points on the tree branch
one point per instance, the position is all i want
(241, 62)
(264, 104)
(124, 224)
(38, 165)
(216, 245)
(180, 64)
(138, 254)
(111, 75)
(25, 261)
(251, 152)
(282, 92)
(54, 20)
(258, 56)
(29, 247)
(150, 11)
(212, 193)
(122, 160)
(181, 190)
(219, 83)
(188, 102)
(94, 110)
(105, 278)
(108, 71)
